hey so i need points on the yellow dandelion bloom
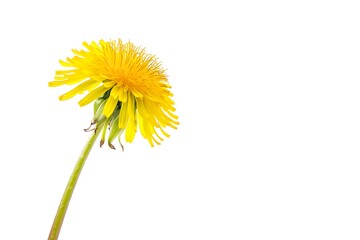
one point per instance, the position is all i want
(131, 84)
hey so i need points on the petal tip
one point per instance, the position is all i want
(53, 84)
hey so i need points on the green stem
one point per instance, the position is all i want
(59, 218)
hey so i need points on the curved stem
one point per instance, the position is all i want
(60, 214)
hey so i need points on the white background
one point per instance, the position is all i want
(268, 98)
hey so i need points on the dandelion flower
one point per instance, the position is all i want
(132, 84)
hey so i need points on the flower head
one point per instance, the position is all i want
(128, 86)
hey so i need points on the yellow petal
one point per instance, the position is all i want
(122, 95)
(136, 93)
(164, 133)
(108, 84)
(145, 131)
(115, 92)
(63, 72)
(130, 130)
(56, 83)
(131, 106)
(78, 89)
(123, 117)
(131, 126)
(110, 106)
(64, 82)
(65, 64)
(96, 93)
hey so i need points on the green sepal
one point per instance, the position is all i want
(97, 104)
(98, 115)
